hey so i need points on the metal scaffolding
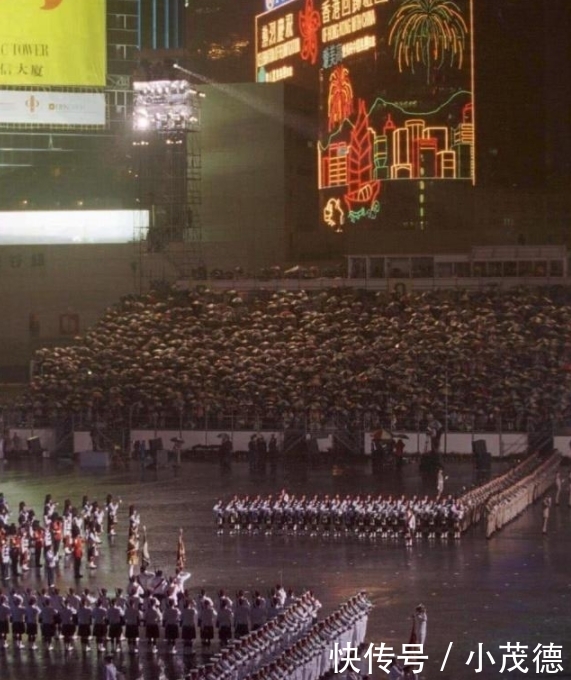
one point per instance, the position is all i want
(168, 161)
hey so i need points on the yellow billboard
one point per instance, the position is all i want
(52, 43)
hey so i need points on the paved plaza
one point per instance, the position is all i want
(514, 588)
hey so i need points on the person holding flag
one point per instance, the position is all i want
(180, 553)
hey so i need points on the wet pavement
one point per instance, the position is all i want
(515, 587)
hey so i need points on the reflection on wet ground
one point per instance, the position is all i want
(513, 588)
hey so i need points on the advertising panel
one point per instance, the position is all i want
(397, 104)
(396, 85)
(52, 43)
(37, 227)
(22, 107)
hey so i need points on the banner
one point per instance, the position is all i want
(52, 43)
(21, 107)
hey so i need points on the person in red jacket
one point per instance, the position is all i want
(38, 542)
(77, 550)
(56, 528)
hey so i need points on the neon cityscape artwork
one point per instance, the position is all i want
(396, 86)
(340, 98)
(407, 108)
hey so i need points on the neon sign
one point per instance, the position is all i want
(427, 32)
(309, 23)
(346, 27)
(279, 42)
(414, 120)
(340, 99)
(396, 86)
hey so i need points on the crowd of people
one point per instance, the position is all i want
(153, 610)
(362, 516)
(476, 500)
(344, 357)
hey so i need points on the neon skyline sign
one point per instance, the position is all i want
(396, 89)
(406, 114)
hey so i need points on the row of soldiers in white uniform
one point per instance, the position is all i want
(357, 515)
(149, 612)
(293, 647)
(504, 506)
(475, 500)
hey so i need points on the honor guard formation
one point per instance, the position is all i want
(387, 517)
(361, 516)
(292, 646)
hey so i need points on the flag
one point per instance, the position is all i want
(145, 557)
(180, 552)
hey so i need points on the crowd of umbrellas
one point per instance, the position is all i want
(344, 357)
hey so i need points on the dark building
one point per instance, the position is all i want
(220, 39)
(523, 67)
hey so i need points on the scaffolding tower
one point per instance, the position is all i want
(167, 146)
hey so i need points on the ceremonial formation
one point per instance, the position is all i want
(508, 504)
(500, 500)
(295, 646)
(290, 359)
(256, 634)
(360, 516)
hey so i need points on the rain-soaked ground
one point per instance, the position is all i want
(515, 588)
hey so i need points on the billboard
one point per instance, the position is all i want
(35, 227)
(397, 103)
(23, 107)
(53, 43)
(396, 84)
